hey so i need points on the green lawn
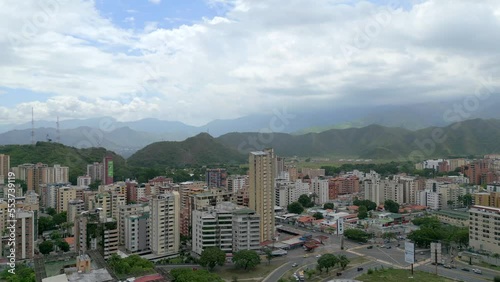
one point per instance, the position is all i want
(400, 275)
(52, 268)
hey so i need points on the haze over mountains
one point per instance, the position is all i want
(125, 138)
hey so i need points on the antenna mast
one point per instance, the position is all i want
(58, 138)
(32, 127)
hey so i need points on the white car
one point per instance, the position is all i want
(477, 271)
(318, 256)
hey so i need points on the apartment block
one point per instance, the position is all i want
(4, 166)
(313, 172)
(126, 211)
(319, 187)
(372, 191)
(484, 229)
(164, 223)
(75, 207)
(137, 232)
(216, 177)
(246, 224)
(488, 199)
(25, 234)
(287, 192)
(84, 180)
(110, 238)
(237, 182)
(226, 226)
(261, 190)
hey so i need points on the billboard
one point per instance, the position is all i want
(340, 226)
(436, 252)
(409, 252)
(110, 168)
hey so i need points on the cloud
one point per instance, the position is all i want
(248, 59)
(155, 1)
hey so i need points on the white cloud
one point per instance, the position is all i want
(257, 55)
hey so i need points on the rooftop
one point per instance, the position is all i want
(454, 214)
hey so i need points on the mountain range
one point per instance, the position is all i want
(126, 138)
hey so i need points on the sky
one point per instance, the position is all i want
(199, 60)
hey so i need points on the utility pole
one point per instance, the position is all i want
(436, 260)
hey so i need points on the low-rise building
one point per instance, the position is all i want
(484, 229)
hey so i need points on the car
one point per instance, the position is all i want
(295, 264)
(422, 253)
(369, 247)
(477, 271)
(465, 269)
(360, 269)
(318, 256)
(306, 255)
(388, 247)
(447, 266)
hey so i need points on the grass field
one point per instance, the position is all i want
(53, 268)
(400, 275)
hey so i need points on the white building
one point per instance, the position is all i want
(287, 192)
(484, 229)
(84, 181)
(320, 188)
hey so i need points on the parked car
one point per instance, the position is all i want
(370, 247)
(465, 269)
(388, 247)
(447, 266)
(477, 271)
(318, 256)
(360, 269)
(295, 264)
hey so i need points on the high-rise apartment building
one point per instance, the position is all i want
(216, 177)
(261, 190)
(4, 166)
(108, 170)
(25, 234)
(319, 188)
(237, 182)
(164, 223)
(137, 232)
(484, 229)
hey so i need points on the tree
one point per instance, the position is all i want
(428, 221)
(328, 206)
(389, 235)
(343, 261)
(50, 211)
(391, 206)
(63, 246)
(305, 201)
(318, 215)
(210, 257)
(23, 274)
(362, 212)
(246, 259)
(94, 186)
(496, 279)
(367, 203)
(269, 255)
(327, 261)
(450, 203)
(356, 235)
(45, 223)
(467, 200)
(60, 218)
(46, 247)
(295, 207)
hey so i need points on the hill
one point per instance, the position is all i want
(54, 153)
(471, 137)
(201, 149)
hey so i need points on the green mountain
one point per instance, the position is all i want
(471, 137)
(201, 149)
(55, 153)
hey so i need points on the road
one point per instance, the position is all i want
(457, 273)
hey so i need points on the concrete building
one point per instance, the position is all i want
(84, 181)
(164, 223)
(137, 232)
(372, 191)
(124, 212)
(110, 238)
(75, 207)
(108, 170)
(313, 172)
(319, 187)
(4, 166)
(226, 226)
(246, 235)
(452, 217)
(484, 229)
(287, 192)
(216, 177)
(25, 234)
(261, 190)
(96, 172)
(237, 182)
(64, 196)
(488, 199)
